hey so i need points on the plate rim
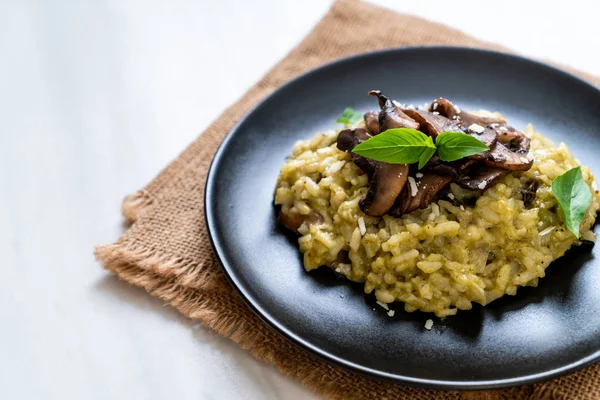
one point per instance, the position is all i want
(290, 336)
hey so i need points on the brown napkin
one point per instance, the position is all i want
(167, 251)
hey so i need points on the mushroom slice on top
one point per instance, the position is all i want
(487, 136)
(391, 116)
(446, 108)
(350, 138)
(502, 157)
(483, 125)
(437, 166)
(385, 180)
(451, 169)
(512, 138)
(427, 187)
(433, 124)
(480, 177)
(385, 186)
(372, 122)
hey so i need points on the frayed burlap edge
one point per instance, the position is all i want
(179, 270)
(134, 204)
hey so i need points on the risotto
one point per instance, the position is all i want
(463, 248)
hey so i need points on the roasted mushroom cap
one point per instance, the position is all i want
(487, 136)
(350, 138)
(391, 116)
(385, 186)
(433, 124)
(347, 140)
(437, 166)
(372, 122)
(385, 180)
(427, 187)
(502, 157)
(446, 108)
(480, 177)
(514, 139)
(451, 169)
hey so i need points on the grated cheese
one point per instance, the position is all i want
(413, 186)
(547, 231)
(361, 226)
(429, 324)
(476, 128)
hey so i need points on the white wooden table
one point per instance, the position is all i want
(95, 98)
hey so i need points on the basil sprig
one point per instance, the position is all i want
(407, 146)
(427, 153)
(453, 146)
(349, 117)
(574, 197)
(397, 146)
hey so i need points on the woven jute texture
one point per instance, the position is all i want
(166, 249)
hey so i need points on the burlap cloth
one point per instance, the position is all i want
(166, 250)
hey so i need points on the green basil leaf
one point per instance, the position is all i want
(349, 116)
(427, 153)
(453, 146)
(574, 197)
(395, 146)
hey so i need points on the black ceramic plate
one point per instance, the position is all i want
(537, 334)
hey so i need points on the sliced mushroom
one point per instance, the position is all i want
(488, 137)
(347, 140)
(385, 180)
(493, 127)
(402, 202)
(293, 221)
(385, 186)
(427, 187)
(372, 122)
(446, 108)
(437, 166)
(512, 138)
(350, 138)
(433, 124)
(391, 116)
(480, 177)
(451, 169)
(502, 157)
